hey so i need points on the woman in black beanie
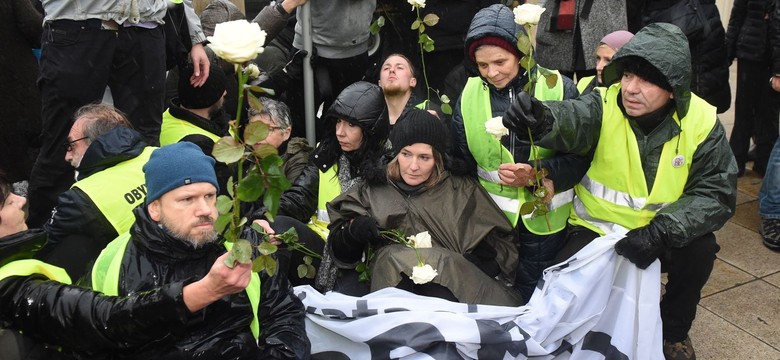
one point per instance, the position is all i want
(356, 129)
(472, 249)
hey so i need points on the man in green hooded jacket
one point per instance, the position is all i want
(662, 168)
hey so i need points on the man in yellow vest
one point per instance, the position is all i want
(196, 115)
(662, 168)
(107, 155)
(173, 239)
(36, 301)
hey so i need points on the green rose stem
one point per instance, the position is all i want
(420, 30)
(539, 182)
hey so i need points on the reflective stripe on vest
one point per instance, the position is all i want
(174, 129)
(105, 275)
(490, 153)
(607, 196)
(28, 267)
(329, 187)
(117, 190)
(583, 83)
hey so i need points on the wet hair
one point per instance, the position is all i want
(100, 119)
(394, 169)
(275, 109)
(412, 69)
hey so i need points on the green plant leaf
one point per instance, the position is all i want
(227, 150)
(377, 25)
(527, 62)
(254, 102)
(428, 47)
(255, 131)
(527, 208)
(271, 200)
(360, 267)
(302, 270)
(446, 108)
(265, 263)
(551, 80)
(264, 150)
(416, 24)
(306, 259)
(224, 204)
(444, 99)
(256, 227)
(431, 19)
(310, 271)
(266, 248)
(222, 221)
(230, 185)
(524, 44)
(250, 188)
(241, 252)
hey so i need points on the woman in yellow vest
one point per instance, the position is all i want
(604, 52)
(356, 128)
(504, 167)
(471, 241)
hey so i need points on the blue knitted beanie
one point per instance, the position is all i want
(177, 165)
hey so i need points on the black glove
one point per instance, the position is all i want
(361, 231)
(643, 245)
(484, 257)
(526, 112)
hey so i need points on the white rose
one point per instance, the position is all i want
(528, 14)
(237, 41)
(495, 127)
(423, 274)
(416, 3)
(252, 71)
(422, 240)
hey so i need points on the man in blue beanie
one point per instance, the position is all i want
(174, 239)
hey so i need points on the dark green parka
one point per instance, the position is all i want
(709, 197)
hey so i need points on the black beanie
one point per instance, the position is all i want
(642, 68)
(419, 126)
(201, 97)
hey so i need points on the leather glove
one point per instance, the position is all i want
(361, 231)
(643, 245)
(526, 112)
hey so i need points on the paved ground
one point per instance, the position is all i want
(739, 313)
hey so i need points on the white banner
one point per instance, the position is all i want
(596, 305)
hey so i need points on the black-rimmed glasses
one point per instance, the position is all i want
(69, 144)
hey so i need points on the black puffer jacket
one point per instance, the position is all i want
(361, 103)
(153, 258)
(78, 230)
(564, 170)
(747, 36)
(78, 319)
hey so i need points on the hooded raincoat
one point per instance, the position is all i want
(709, 195)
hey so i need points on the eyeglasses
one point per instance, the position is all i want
(274, 128)
(69, 144)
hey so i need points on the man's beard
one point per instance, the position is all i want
(395, 90)
(198, 240)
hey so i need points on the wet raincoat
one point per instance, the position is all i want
(709, 195)
(80, 320)
(458, 214)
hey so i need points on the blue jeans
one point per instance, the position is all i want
(769, 197)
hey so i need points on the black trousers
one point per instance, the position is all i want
(756, 110)
(688, 268)
(78, 61)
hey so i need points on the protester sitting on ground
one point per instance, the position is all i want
(108, 156)
(197, 114)
(506, 168)
(356, 129)
(398, 81)
(35, 299)
(662, 168)
(608, 46)
(174, 239)
(473, 249)
(294, 151)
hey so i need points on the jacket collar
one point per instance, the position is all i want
(109, 149)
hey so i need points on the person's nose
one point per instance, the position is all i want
(414, 166)
(492, 71)
(340, 129)
(203, 207)
(631, 86)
